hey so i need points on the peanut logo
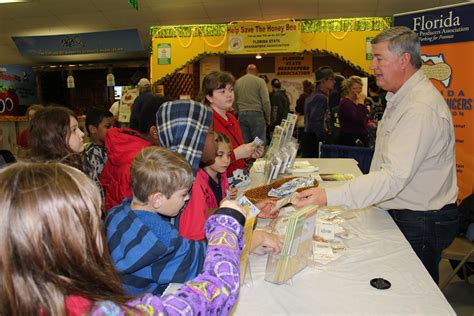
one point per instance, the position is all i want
(436, 68)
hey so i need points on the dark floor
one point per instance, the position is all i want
(459, 293)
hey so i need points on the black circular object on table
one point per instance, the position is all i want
(380, 283)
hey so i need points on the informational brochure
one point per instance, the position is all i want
(291, 119)
(252, 211)
(276, 139)
(129, 93)
(297, 247)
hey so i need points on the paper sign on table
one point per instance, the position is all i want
(249, 207)
(325, 231)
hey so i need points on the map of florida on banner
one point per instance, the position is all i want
(447, 39)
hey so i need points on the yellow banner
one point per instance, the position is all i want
(293, 66)
(265, 37)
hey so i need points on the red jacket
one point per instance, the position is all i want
(77, 305)
(22, 140)
(231, 129)
(122, 145)
(195, 214)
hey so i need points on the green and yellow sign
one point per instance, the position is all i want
(266, 37)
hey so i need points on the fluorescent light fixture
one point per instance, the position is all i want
(13, 1)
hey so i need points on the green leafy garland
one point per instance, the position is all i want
(307, 26)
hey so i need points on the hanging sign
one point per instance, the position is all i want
(129, 93)
(251, 38)
(134, 4)
(293, 66)
(368, 48)
(17, 89)
(117, 41)
(164, 54)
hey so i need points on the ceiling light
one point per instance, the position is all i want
(13, 1)
(70, 82)
(110, 79)
(258, 56)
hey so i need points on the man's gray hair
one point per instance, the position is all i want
(401, 40)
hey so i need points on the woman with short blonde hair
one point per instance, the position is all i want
(353, 115)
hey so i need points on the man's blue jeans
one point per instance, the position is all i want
(429, 232)
(252, 123)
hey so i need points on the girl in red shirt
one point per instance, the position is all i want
(218, 92)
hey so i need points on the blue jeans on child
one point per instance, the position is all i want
(429, 232)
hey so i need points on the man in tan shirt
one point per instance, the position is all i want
(252, 102)
(413, 171)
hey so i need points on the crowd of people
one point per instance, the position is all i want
(105, 227)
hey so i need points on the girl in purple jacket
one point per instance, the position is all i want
(54, 259)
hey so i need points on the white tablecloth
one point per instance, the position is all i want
(342, 287)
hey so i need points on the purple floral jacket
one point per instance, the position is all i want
(213, 292)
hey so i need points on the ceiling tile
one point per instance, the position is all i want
(5, 24)
(347, 5)
(122, 19)
(49, 17)
(89, 21)
(167, 3)
(176, 21)
(299, 7)
(6, 40)
(24, 10)
(38, 26)
(344, 15)
(112, 5)
(180, 11)
(11, 56)
(72, 7)
(403, 5)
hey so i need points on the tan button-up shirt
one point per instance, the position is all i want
(414, 163)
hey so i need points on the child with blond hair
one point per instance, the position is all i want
(54, 258)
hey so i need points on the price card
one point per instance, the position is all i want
(249, 207)
(325, 231)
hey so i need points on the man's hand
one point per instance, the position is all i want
(265, 206)
(313, 196)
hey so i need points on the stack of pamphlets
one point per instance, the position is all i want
(252, 211)
(281, 153)
(297, 246)
(328, 244)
